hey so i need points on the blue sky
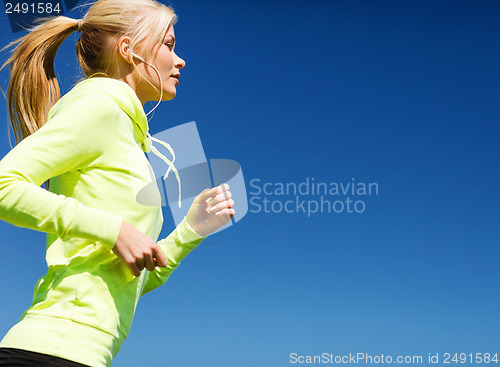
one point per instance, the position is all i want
(400, 93)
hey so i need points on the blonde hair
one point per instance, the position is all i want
(33, 88)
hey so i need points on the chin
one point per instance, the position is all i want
(167, 96)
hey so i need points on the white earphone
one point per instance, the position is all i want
(138, 57)
(159, 77)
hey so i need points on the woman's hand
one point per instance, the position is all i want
(137, 251)
(210, 210)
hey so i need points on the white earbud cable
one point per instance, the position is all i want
(159, 77)
(170, 163)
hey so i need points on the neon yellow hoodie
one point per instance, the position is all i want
(92, 149)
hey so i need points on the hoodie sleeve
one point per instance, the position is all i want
(73, 138)
(176, 247)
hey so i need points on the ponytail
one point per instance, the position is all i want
(33, 88)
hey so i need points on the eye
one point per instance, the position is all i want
(169, 45)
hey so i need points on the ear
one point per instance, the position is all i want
(123, 48)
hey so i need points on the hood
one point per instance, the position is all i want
(123, 95)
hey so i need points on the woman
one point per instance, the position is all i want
(89, 146)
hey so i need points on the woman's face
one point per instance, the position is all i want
(168, 65)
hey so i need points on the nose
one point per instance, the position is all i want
(179, 63)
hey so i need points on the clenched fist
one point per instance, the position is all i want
(211, 209)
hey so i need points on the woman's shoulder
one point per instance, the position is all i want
(84, 98)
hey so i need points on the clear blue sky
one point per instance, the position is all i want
(400, 93)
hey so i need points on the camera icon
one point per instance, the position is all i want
(196, 173)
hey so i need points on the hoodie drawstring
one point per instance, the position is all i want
(170, 163)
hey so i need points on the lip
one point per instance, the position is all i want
(176, 77)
